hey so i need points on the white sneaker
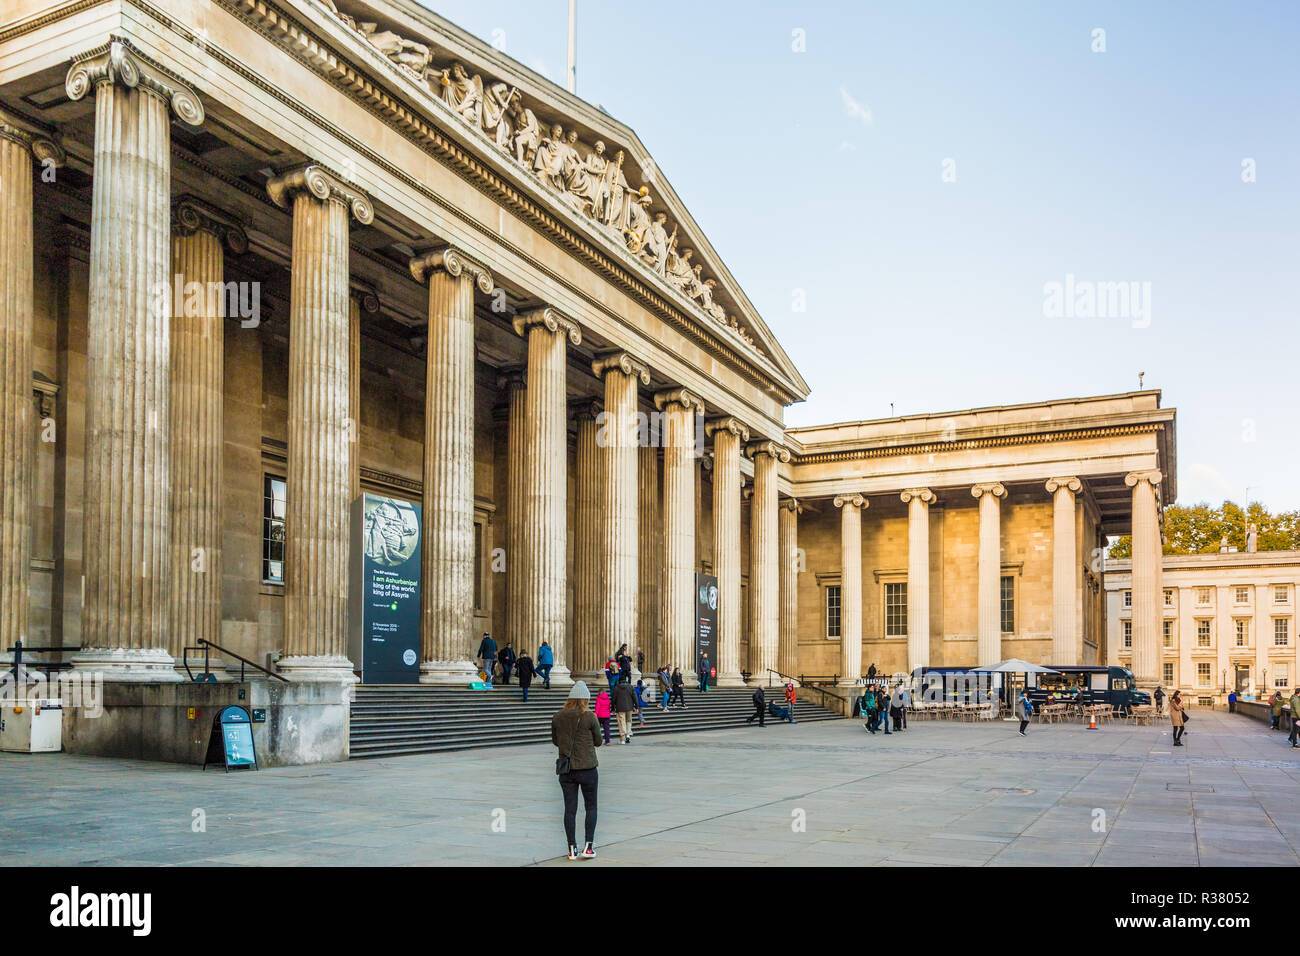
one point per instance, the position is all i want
(573, 853)
(588, 853)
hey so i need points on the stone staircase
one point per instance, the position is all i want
(391, 719)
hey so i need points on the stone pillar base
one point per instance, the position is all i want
(322, 668)
(143, 665)
(563, 677)
(458, 673)
(731, 680)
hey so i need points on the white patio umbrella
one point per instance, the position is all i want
(1015, 666)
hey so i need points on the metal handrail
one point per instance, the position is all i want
(786, 678)
(204, 644)
(19, 647)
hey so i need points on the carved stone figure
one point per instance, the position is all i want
(528, 133)
(496, 115)
(464, 94)
(410, 55)
(589, 182)
(706, 300)
(549, 164)
(680, 271)
(612, 212)
(654, 244)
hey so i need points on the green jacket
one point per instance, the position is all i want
(577, 735)
(1277, 706)
(1295, 706)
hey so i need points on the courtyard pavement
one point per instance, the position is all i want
(814, 794)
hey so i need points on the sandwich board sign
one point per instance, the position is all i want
(231, 740)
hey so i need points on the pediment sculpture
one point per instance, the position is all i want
(593, 185)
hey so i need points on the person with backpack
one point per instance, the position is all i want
(611, 673)
(642, 702)
(576, 735)
(624, 704)
(506, 657)
(524, 665)
(1024, 709)
(1159, 698)
(867, 709)
(760, 707)
(545, 661)
(1275, 705)
(602, 712)
(487, 650)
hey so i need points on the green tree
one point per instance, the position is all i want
(1201, 529)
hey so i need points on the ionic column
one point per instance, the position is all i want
(127, 474)
(1147, 597)
(765, 570)
(728, 434)
(620, 519)
(788, 650)
(318, 482)
(679, 408)
(1067, 642)
(512, 382)
(199, 234)
(990, 571)
(354, 397)
(447, 644)
(851, 508)
(587, 655)
(918, 501)
(651, 556)
(545, 544)
(17, 419)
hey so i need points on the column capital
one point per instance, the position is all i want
(38, 141)
(1071, 484)
(511, 378)
(792, 504)
(586, 408)
(191, 215)
(856, 500)
(313, 179)
(453, 262)
(1150, 477)
(623, 362)
(994, 488)
(679, 396)
(120, 64)
(925, 495)
(728, 424)
(767, 447)
(552, 319)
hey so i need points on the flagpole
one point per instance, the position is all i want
(573, 66)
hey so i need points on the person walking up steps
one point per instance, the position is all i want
(576, 735)
(1177, 717)
(624, 704)
(487, 650)
(602, 712)
(642, 702)
(760, 707)
(506, 656)
(1023, 710)
(545, 661)
(524, 665)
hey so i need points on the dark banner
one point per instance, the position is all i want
(384, 605)
(706, 618)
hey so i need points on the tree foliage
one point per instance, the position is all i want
(1201, 529)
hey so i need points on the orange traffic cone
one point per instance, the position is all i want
(1092, 719)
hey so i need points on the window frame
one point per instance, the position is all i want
(269, 479)
(899, 609)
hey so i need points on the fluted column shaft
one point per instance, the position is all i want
(545, 544)
(727, 437)
(788, 647)
(1147, 596)
(620, 519)
(515, 491)
(851, 508)
(1067, 642)
(127, 480)
(765, 572)
(589, 644)
(16, 410)
(679, 409)
(197, 358)
(354, 397)
(918, 576)
(990, 572)
(447, 591)
(651, 555)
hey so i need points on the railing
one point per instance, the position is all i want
(18, 648)
(203, 646)
(805, 684)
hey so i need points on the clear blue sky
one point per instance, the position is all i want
(821, 171)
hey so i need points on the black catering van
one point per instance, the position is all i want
(1098, 684)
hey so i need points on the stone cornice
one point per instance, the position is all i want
(856, 500)
(1071, 484)
(924, 495)
(120, 64)
(455, 263)
(314, 180)
(622, 362)
(191, 215)
(767, 447)
(729, 424)
(994, 488)
(549, 318)
(679, 396)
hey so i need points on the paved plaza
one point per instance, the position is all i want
(939, 794)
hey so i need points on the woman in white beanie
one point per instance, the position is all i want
(576, 735)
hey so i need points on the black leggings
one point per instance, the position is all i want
(569, 783)
(1023, 724)
(1178, 733)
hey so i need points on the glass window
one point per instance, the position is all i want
(1243, 595)
(1203, 674)
(1281, 675)
(273, 497)
(1205, 701)
(1008, 604)
(896, 609)
(832, 610)
(1169, 633)
(1203, 596)
(1169, 597)
(1128, 633)
(1203, 633)
(478, 566)
(1168, 673)
(1279, 594)
(1281, 631)
(1128, 598)
(1243, 632)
